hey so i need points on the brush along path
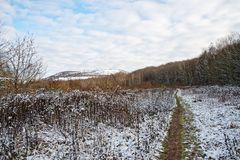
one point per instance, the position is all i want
(173, 145)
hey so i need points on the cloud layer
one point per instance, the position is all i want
(119, 34)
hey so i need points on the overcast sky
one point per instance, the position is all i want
(118, 34)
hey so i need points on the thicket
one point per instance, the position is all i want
(77, 116)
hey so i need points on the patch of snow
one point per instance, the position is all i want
(216, 119)
(38, 157)
(78, 75)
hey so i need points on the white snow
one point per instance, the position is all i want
(134, 126)
(38, 157)
(78, 75)
(74, 78)
(5, 78)
(216, 114)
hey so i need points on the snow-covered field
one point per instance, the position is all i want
(85, 125)
(216, 113)
(124, 125)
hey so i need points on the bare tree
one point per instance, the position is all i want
(23, 63)
(3, 51)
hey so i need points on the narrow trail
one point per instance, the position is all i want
(173, 146)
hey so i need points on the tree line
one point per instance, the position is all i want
(219, 64)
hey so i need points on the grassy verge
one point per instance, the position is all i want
(191, 145)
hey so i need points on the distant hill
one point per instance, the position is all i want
(75, 75)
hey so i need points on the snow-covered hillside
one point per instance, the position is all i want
(74, 75)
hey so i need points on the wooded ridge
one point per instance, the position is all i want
(219, 64)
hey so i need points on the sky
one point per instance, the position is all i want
(79, 35)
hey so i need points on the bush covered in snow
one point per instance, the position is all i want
(84, 125)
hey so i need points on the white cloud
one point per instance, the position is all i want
(126, 34)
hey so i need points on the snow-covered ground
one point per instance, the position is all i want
(216, 113)
(85, 125)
